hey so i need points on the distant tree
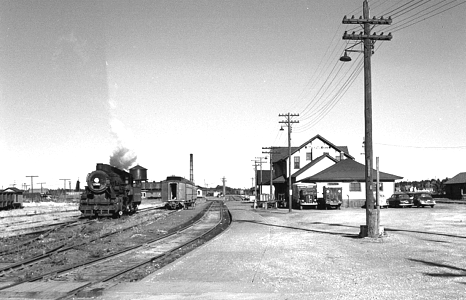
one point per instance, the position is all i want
(439, 186)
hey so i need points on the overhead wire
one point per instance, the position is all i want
(422, 147)
(311, 112)
(326, 98)
(327, 58)
(335, 99)
(323, 107)
(410, 21)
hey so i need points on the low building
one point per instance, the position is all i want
(351, 177)
(455, 188)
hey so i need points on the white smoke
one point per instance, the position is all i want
(122, 157)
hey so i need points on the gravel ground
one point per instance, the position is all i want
(422, 255)
(317, 254)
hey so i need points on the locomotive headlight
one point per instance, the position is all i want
(96, 180)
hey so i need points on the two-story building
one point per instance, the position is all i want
(317, 156)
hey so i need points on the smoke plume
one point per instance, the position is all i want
(122, 158)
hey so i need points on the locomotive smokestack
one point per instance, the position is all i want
(191, 175)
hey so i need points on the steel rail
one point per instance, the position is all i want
(152, 258)
(61, 249)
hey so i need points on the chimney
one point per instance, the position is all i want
(191, 175)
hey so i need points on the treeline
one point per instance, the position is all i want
(437, 186)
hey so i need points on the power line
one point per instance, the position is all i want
(411, 23)
(422, 147)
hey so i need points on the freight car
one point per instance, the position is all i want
(109, 192)
(11, 198)
(178, 193)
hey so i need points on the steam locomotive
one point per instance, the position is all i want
(111, 192)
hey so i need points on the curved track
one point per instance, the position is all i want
(96, 274)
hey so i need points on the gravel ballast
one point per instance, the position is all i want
(317, 254)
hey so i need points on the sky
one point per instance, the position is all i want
(156, 81)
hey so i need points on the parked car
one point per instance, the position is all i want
(421, 199)
(400, 200)
(383, 203)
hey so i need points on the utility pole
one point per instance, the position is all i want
(32, 186)
(64, 186)
(223, 181)
(288, 121)
(271, 152)
(368, 41)
(260, 184)
(255, 178)
(41, 183)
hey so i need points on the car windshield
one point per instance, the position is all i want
(425, 196)
(403, 196)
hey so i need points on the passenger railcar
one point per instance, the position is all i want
(178, 192)
(109, 192)
(11, 198)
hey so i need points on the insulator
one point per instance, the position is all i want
(374, 18)
(381, 33)
(353, 32)
(352, 17)
(381, 18)
(375, 33)
(390, 17)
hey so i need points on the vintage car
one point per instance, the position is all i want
(383, 203)
(421, 199)
(400, 200)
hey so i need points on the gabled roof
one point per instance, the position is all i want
(11, 190)
(138, 167)
(312, 163)
(283, 151)
(344, 149)
(266, 178)
(348, 170)
(459, 178)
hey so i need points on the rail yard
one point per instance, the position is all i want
(72, 255)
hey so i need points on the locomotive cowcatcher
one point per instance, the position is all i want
(109, 192)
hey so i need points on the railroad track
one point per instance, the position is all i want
(63, 246)
(37, 227)
(99, 273)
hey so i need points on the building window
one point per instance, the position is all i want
(309, 156)
(355, 186)
(296, 162)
